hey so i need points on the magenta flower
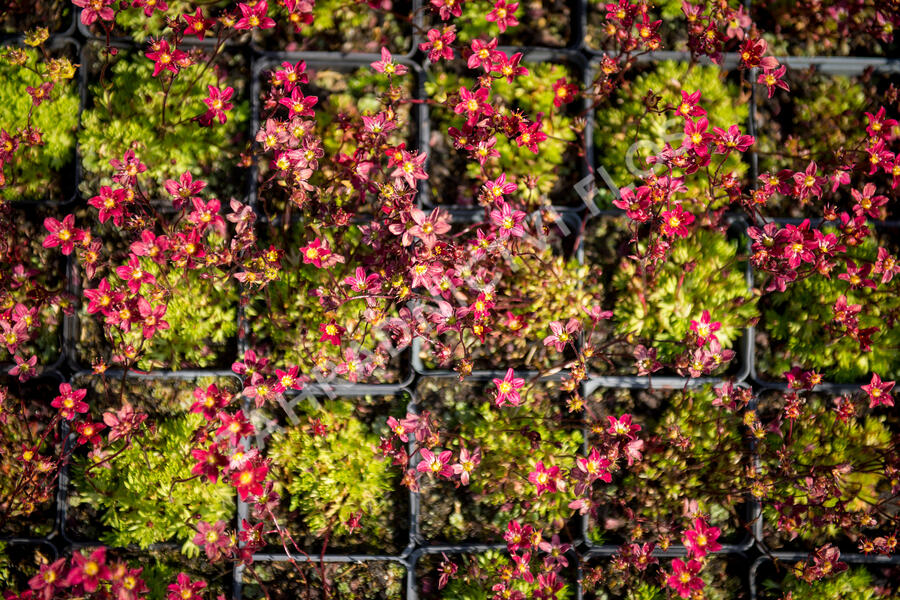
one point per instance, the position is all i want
(562, 334)
(503, 14)
(212, 539)
(439, 43)
(94, 9)
(544, 479)
(701, 539)
(438, 465)
(474, 104)
(684, 578)
(878, 391)
(508, 389)
(166, 58)
(704, 328)
(134, 275)
(622, 426)
(184, 588)
(70, 401)
(88, 572)
(254, 16)
(218, 103)
(62, 233)
(387, 65)
(507, 220)
(197, 24)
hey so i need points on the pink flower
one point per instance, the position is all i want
(331, 332)
(152, 318)
(134, 275)
(701, 539)
(504, 15)
(314, 253)
(427, 228)
(545, 480)
(484, 54)
(411, 168)
(468, 462)
(387, 64)
(218, 103)
(772, 78)
(878, 391)
(70, 401)
(249, 479)
(530, 135)
(212, 539)
(439, 43)
(438, 465)
(562, 334)
(474, 104)
(622, 426)
(675, 222)
(508, 221)
(234, 427)
(47, 579)
(92, 9)
(255, 16)
(705, 329)
(197, 24)
(684, 578)
(508, 389)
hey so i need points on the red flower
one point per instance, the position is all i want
(88, 572)
(508, 67)
(689, 106)
(47, 579)
(166, 58)
(504, 15)
(209, 401)
(314, 253)
(62, 233)
(772, 78)
(684, 578)
(109, 203)
(387, 64)
(249, 479)
(701, 539)
(299, 105)
(331, 332)
(439, 43)
(484, 54)
(530, 135)
(564, 92)
(675, 222)
(705, 329)
(197, 24)
(184, 188)
(152, 318)
(474, 104)
(878, 391)
(696, 137)
(254, 16)
(183, 588)
(508, 389)
(70, 401)
(89, 432)
(208, 462)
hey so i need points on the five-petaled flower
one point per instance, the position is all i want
(166, 58)
(62, 233)
(684, 579)
(438, 465)
(879, 391)
(185, 589)
(504, 15)
(701, 539)
(705, 328)
(439, 43)
(508, 389)
(253, 17)
(387, 65)
(70, 401)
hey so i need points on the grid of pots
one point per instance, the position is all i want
(754, 559)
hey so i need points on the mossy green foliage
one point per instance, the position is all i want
(140, 498)
(702, 273)
(201, 310)
(328, 478)
(625, 136)
(499, 490)
(820, 115)
(128, 107)
(857, 583)
(30, 174)
(140, 27)
(798, 321)
(820, 440)
(707, 469)
(478, 573)
(554, 164)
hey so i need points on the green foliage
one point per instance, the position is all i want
(625, 136)
(820, 440)
(825, 113)
(141, 498)
(128, 107)
(140, 27)
(330, 477)
(799, 324)
(499, 490)
(541, 23)
(201, 310)
(856, 583)
(30, 174)
(702, 273)
(479, 572)
(552, 167)
(345, 27)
